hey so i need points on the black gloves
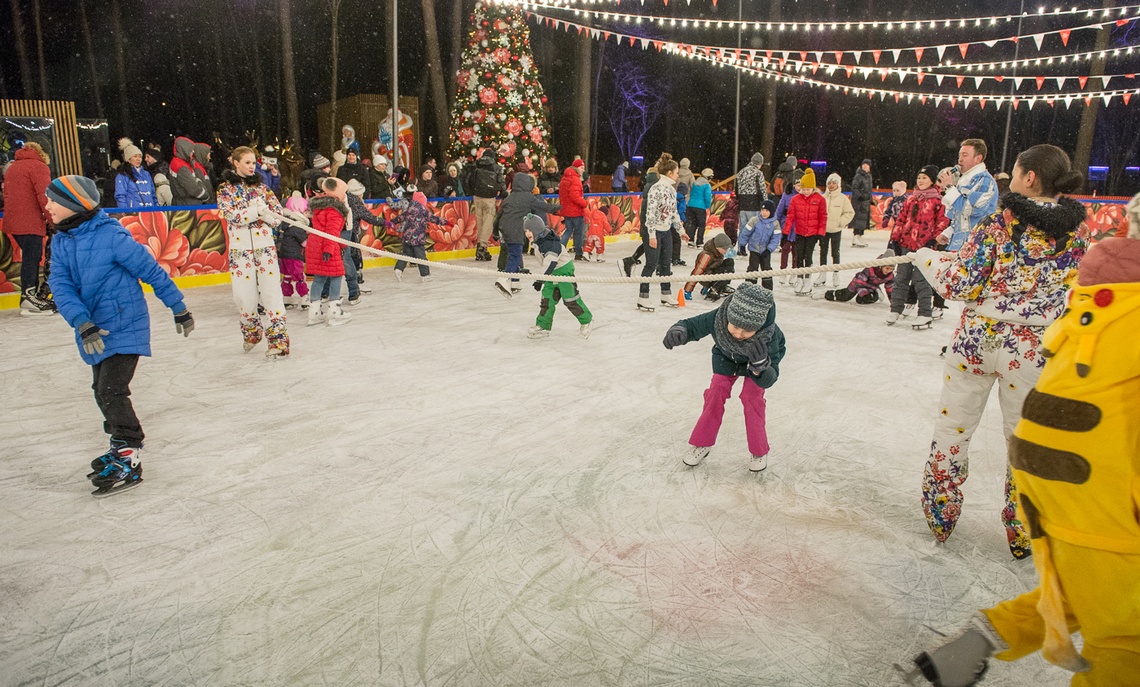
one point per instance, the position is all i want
(92, 338)
(758, 359)
(184, 322)
(538, 285)
(676, 336)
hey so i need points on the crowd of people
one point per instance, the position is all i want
(1010, 258)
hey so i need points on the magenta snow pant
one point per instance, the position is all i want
(293, 276)
(751, 396)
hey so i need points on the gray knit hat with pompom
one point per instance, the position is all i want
(749, 307)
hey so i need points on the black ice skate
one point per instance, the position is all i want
(122, 472)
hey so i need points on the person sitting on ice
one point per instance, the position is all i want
(714, 258)
(747, 343)
(864, 286)
(558, 264)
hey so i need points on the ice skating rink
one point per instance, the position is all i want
(426, 497)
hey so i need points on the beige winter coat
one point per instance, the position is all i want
(839, 211)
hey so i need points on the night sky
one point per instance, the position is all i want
(179, 84)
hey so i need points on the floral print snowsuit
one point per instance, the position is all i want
(1013, 290)
(254, 270)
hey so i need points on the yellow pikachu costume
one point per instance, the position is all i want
(1076, 461)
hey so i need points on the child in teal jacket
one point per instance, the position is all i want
(746, 343)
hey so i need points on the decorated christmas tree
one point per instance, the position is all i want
(500, 104)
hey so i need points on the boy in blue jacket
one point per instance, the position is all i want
(760, 238)
(746, 343)
(96, 266)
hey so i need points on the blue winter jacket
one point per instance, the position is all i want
(95, 271)
(760, 235)
(701, 195)
(134, 193)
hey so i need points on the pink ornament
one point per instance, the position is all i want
(513, 126)
(465, 135)
(502, 55)
(488, 96)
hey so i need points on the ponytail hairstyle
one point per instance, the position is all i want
(1053, 169)
(241, 151)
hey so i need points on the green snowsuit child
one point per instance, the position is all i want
(557, 264)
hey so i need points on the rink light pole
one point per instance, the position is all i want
(736, 129)
(1012, 90)
(396, 93)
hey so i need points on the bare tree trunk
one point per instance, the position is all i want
(768, 134)
(191, 109)
(457, 17)
(121, 65)
(1087, 131)
(258, 85)
(221, 118)
(40, 48)
(91, 57)
(21, 48)
(584, 49)
(437, 77)
(285, 15)
(335, 59)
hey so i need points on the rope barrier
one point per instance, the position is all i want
(583, 279)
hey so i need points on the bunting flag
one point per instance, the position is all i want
(960, 79)
(877, 54)
(1084, 80)
(1065, 36)
(1127, 96)
(941, 50)
(895, 55)
(938, 78)
(1040, 82)
(1037, 38)
(838, 56)
(963, 47)
(921, 76)
(978, 82)
(918, 54)
(1017, 81)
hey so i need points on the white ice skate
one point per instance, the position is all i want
(803, 286)
(758, 463)
(425, 279)
(910, 310)
(835, 280)
(820, 279)
(939, 313)
(643, 304)
(892, 318)
(504, 286)
(336, 316)
(668, 303)
(274, 353)
(317, 313)
(537, 332)
(695, 455)
(923, 322)
(365, 289)
(399, 275)
(584, 330)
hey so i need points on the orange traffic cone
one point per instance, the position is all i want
(680, 298)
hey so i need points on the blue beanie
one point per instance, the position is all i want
(74, 192)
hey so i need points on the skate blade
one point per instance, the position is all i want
(102, 492)
(506, 292)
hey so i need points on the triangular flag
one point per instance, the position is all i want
(1088, 100)
(858, 55)
(849, 69)
(1017, 81)
(1107, 98)
(978, 82)
(1083, 80)
(883, 74)
(983, 102)
(768, 54)
(918, 54)
(1126, 97)
(814, 67)
(1037, 38)
(882, 96)
(783, 60)
(838, 56)
(818, 56)
(1015, 103)
(896, 97)
(1065, 36)
(644, 44)
(902, 76)
(939, 77)
(941, 49)
(1051, 102)
(923, 99)
(990, 44)
(876, 53)
(963, 47)
(1060, 82)
(803, 56)
(921, 76)
(606, 34)
(895, 54)
(1105, 80)
(959, 79)
(999, 78)
(1040, 81)
(953, 101)
(1122, 22)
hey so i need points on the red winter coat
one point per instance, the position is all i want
(329, 217)
(920, 221)
(25, 205)
(807, 215)
(570, 195)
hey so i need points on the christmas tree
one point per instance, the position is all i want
(500, 104)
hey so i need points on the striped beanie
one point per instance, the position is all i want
(74, 192)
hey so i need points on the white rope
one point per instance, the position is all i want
(583, 279)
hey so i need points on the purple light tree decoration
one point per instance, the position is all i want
(637, 100)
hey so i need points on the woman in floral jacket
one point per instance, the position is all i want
(660, 216)
(1013, 273)
(251, 211)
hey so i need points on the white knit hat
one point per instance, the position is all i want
(129, 148)
(836, 178)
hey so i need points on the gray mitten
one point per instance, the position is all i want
(963, 659)
(758, 359)
(184, 322)
(676, 336)
(92, 338)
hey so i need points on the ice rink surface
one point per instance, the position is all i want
(426, 497)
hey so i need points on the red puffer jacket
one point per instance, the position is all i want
(807, 215)
(329, 217)
(570, 195)
(920, 221)
(25, 204)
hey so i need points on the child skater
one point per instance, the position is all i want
(747, 343)
(323, 255)
(1075, 456)
(919, 223)
(864, 286)
(898, 189)
(96, 267)
(413, 220)
(716, 257)
(558, 264)
(759, 239)
(291, 253)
